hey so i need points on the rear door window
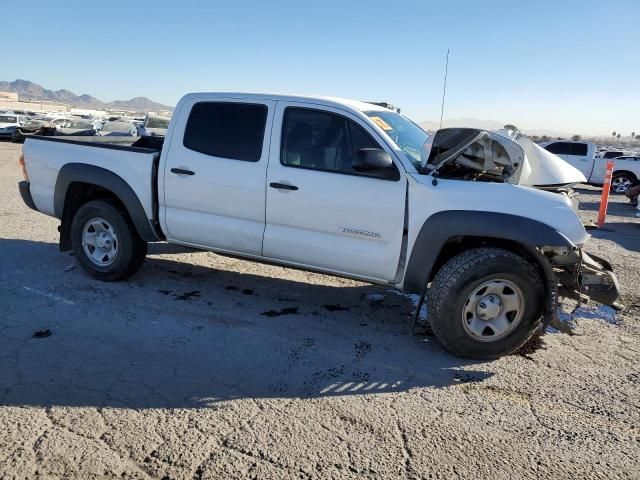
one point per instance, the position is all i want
(227, 130)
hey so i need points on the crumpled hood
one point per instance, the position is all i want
(503, 156)
(542, 168)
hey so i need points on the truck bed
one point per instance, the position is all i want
(132, 144)
(136, 164)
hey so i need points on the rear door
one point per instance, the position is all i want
(321, 213)
(214, 174)
(574, 153)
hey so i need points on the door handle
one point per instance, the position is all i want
(282, 186)
(182, 171)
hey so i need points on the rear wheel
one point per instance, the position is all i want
(485, 303)
(105, 242)
(621, 182)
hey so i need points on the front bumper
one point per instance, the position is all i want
(585, 276)
(25, 193)
(598, 280)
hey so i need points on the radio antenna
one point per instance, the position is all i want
(444, 89)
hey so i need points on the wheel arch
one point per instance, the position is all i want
(448, 233)
(624, 172)
(79, 183)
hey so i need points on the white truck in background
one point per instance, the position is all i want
(582, 155)
(341, 187)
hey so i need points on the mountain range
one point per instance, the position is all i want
(30, 91)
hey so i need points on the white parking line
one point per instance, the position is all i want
(51, 296)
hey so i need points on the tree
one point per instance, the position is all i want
(633, 135)
(576, 138)
(510, 127)
(613, 136)
(545, 138)
(618, 136)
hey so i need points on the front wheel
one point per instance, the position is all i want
(105, 242)
(621, 182)
(485, 303)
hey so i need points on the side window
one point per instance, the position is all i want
(559, 148)
(227, 130)
(579, 149)
(320, 140)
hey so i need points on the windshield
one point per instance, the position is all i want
(406, 134)
(117, 127)
(34, 123)
(154, 122)
(8, 119)
(81, 124)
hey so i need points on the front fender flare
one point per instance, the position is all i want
(443, 226)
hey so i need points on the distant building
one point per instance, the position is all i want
(10, 101)
(11, 96)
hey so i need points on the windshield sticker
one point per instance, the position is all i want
(382, 124)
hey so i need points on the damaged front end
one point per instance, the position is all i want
(472, 154)
(505, 156)
(582, 276)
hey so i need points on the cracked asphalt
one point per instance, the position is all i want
(206, 367)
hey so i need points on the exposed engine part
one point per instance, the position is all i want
(471, 154)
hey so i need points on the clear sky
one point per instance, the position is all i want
(571, 66)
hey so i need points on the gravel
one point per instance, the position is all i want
(203, 367)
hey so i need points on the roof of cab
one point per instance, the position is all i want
(322, 100)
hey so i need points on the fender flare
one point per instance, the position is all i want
(440, 227)
(101, 177)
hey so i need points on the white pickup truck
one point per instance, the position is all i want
(582, 155)
(337, 186)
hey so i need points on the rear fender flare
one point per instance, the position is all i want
(101, 177)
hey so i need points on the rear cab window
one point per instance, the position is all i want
(227, 130)
(568, 148)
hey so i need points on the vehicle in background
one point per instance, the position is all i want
(9, 123)
(337, 186)
(610, 154)
(582, 156)
(118, 128)
(77, 127)
(154, 125)
(33, 125)
(626, 172)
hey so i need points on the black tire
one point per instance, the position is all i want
(458, 279)
(131, 249)
(622, 176)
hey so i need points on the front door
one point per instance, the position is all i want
(322, 213)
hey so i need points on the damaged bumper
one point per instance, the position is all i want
(584, 276)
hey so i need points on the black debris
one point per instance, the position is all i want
(42, 333)
(284, 311)
(335, 308)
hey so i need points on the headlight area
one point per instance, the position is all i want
(582, 276)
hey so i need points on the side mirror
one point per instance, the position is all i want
(375, 162)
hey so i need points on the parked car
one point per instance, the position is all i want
(77, 127)
(336, 186)
(8, 124)
(30, 127)
(154, 125)
(118, 128)
(582, 156)
(610, 154)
